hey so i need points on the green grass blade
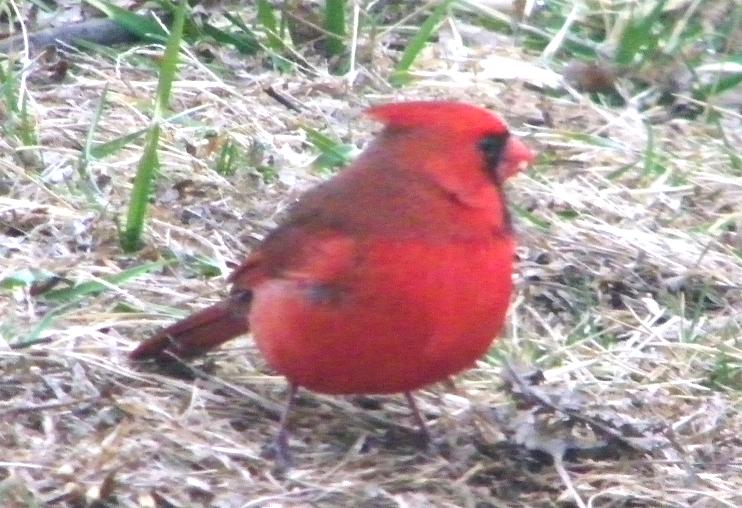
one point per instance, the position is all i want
(267, 18)
(335, 25)
(149, 163)
(723, 83)
(246, 43)
(69, 297)
(228, 160)
(524, 214)
(87, 149)
(735, 161)
(92, 288)
(102, 150)
(46, 322)
(333, 153)
(638, 36)
(148, 166)
(27, 126)
(25, 277)
(239, 23)
(416, 45)
(86, 181)
(274, 42)
(170, 62)
(142, 26)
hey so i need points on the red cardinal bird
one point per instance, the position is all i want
(393, 274)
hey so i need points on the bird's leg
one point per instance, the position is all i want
(427, 436)
(283, 457)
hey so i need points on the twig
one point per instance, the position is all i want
(105, 32)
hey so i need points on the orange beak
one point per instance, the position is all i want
(516, 158)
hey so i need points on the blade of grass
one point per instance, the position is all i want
(92, 288)
(149, 163)
(524, 214)
(621, 170)
(45, 6)
(34, 337)
(70, 297)
(735, 161)
(237, 21)
(267, 18)
(98, 49)
(650, 167)
(723, 82)
(227, 161)
(140, 25)
(19, 123)
(89, 187)
(400, 76)
(335, 25)
(333, 153)
(27, 127)
(25, 277)
(245, 43)
(504, 23)
(101, 150)
(638, 37)
(87, 149)
(594, 140)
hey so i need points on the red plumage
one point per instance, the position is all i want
(394, 274)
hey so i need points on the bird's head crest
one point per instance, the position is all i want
(445, 115)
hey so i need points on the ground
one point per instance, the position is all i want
(616, 383)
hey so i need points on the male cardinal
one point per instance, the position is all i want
(393, 274)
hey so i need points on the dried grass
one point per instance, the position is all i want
(629, 302)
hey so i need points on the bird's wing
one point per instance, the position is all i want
(298, 253)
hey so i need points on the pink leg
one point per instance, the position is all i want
(283, 457)
(419, 418)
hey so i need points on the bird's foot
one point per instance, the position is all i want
(281, 452)
(280, 448)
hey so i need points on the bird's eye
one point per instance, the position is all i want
(492, 147)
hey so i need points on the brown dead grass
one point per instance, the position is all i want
(628, 302)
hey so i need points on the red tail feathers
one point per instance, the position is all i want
(200, 332)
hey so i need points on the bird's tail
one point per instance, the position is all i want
(199, 332)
